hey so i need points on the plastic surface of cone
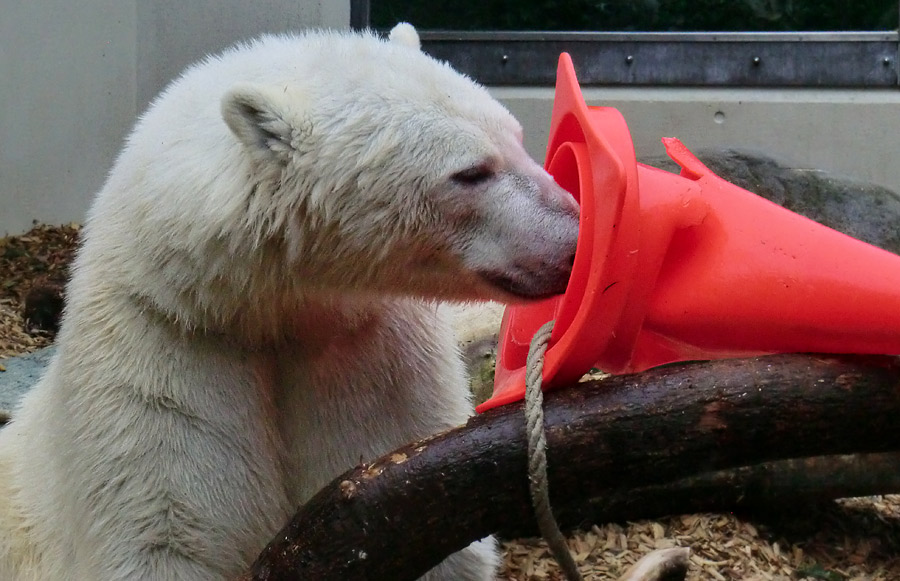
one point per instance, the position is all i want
(686, 267)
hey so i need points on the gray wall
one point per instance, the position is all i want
(174, 33)
(67, 82)
(74, 76)
(852, 132)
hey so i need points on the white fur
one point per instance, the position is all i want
(476, 322)
(252, 310)
(405, 34)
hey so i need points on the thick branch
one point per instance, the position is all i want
(396, 518)
(780, 486)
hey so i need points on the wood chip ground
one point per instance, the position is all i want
(854, 539)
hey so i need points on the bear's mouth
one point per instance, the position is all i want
(529, 288)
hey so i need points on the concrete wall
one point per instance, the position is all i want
(175, 33)
(75, 75)
(67, 82)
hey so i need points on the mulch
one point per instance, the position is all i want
(33, 270)
(847, 540)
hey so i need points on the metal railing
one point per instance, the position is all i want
(777, 59)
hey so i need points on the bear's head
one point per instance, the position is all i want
(382, 169)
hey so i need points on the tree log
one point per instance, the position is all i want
(781, 487)
(402, 514)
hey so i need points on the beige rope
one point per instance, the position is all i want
(537, 454)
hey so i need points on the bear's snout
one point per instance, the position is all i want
(532, 281)
(526, 246)
(538, 256)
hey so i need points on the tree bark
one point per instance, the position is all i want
(783, 486)
(608, 441)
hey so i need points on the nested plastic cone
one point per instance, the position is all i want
(687, 267)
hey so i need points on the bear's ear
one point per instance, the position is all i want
(405, 34)
(260, 119)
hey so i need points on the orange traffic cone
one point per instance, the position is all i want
(684, 267)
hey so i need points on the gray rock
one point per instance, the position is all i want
(21, 373)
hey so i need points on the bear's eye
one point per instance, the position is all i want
(474, 175)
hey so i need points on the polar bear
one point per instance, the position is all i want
(254, 307)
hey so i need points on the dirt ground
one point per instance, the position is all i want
(855, 539)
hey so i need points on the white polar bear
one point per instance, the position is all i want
(253, 308)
